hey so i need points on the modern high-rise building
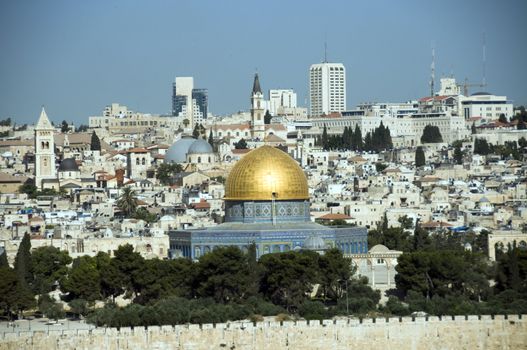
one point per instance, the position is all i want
(187, 102)
(283, 98)
(200, 102)
(327, 88)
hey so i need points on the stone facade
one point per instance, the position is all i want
(459, 332)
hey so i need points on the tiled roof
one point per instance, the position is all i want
(332, 216)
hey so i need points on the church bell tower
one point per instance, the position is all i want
(44, 150)
(257, 111)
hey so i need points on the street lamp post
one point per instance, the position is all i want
(347, 302)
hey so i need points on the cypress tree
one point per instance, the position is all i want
(368, 142)
(458, 155)
(267, 117)
(419, 157)
(3, 260)
(325, 140)
(388, 138)
(95, 142)
(357, 139)
(195, 132)
(211, 139)
(23, 263)
(473, 128)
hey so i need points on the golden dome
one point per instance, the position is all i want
(263, 171)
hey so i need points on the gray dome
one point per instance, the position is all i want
(199, 147)
(314, 242)
(177, 153)
(68, 164)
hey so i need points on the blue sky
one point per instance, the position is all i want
(75, 57)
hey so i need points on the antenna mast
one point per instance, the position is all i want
(325, 51)
(484, 81)
(432, 71)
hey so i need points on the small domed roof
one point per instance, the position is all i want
(68, 164)
(167, 218)
(177, 153)
(379, 248)
(200, 146)
(314, 242)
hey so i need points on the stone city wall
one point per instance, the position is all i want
(459, 332)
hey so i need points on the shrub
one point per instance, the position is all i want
(282, 317)
(313, 310)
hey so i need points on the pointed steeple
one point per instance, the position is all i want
(256, 85)
(43, 121)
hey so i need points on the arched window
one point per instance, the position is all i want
(143, 161)
(209, 160)
(199, 159)
(137, 161)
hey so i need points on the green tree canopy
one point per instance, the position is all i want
(95, 142)
(458, 155)
(211, 139)
(167, 171)
(335, 270)
(127, 202)
(481, 147)
(3, 259)
(420, 159)
(431, 134)
(288, 277)
(111, 279)
(196, 131)
(223, 274)
(129, 264)
(145, 215)
(357, 144)
(28, 188)
(23, 262)
(64, 127)
(14, 295)
(325, 138)
(267, 117)
(83, 280)
(159, 279)
(443, 273)
(50, 265)
(242, 144)
(82, 128)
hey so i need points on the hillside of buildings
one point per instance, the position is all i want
(420, 208)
